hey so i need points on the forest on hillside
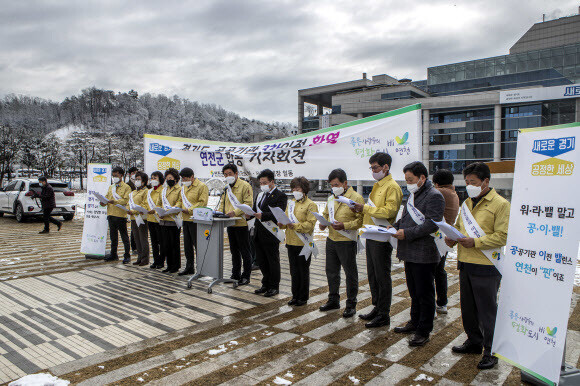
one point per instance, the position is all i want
(103, 126)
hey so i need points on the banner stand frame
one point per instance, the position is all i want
(569, 375)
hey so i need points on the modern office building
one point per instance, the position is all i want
(472, 110)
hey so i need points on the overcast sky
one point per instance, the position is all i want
(249, 56)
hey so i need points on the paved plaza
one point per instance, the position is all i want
(95, 323)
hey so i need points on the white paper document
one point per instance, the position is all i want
(162, 212)
(139, 209)
(280, 215)
(449, 230)
(321, 219)
(100, 197)
(246, 209)
(122, 207)
(346, 201)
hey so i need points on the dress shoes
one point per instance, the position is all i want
(418, 340)
(378, 321)
(244, 281)
(271, 292)
(487, 362)
(406, 329)
(263, 290)
(349, 312)
(467, 348)
(370, 316)
(329, 306)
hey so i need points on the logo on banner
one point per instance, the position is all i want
(159, 149)
(206, 234)
(167, 162)
(100, 175)
(495, 255)
(402, 141)
(553, 147)
(552, 331)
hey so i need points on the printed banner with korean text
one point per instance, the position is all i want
(95, 226)
(541, 252)
(312, 154)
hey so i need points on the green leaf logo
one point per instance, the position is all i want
(402, 141)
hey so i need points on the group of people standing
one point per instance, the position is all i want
(346, 213)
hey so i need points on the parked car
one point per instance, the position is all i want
(21, 197)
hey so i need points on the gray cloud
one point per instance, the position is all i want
(248, 56)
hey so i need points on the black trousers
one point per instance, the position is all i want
(441, 282)
(171, 246)
(189, 244)
(299, 273)
(118, 226)
(139, 234)
(420, 282)
(155, 235)
(133, 243)
(341, 254)
(239, 238)
(478, 297)
(48, 218)
(268, 259)
(379, 273)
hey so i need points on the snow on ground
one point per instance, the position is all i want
(41, 379)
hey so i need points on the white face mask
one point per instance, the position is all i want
(379, 175)
(230, 180)
(473, 191)
(116, 180)
(137, 183)
(412, 188)
(265, 188)
(154, 183)
(337, 191)
(186, 183)
(297, 195)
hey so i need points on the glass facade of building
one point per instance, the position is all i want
(533, 115)
(548, 67)
(476, 134)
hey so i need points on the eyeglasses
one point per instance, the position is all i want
(375, 168)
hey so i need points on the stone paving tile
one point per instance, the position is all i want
(68, 316)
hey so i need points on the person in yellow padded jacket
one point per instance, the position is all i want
(139, 232)
(302, 208)
(194, 194)
(170, 197)
(383, 205)
(479, 280)
(153, 196)
(340, 249)
(238, 234)
(118, 194)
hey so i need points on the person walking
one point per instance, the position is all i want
(48, 203)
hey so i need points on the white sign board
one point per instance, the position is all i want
(541, 252)
(313, 155)
(539, 94)
(95, 226)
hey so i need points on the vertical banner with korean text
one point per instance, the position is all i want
(541, 252)
(95, 226)
(312, 154)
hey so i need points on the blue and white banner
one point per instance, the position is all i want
(541, 252)
(95, 227)
(313, 155)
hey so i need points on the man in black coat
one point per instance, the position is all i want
(266, 243)
(48, 203)
(416, 247)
